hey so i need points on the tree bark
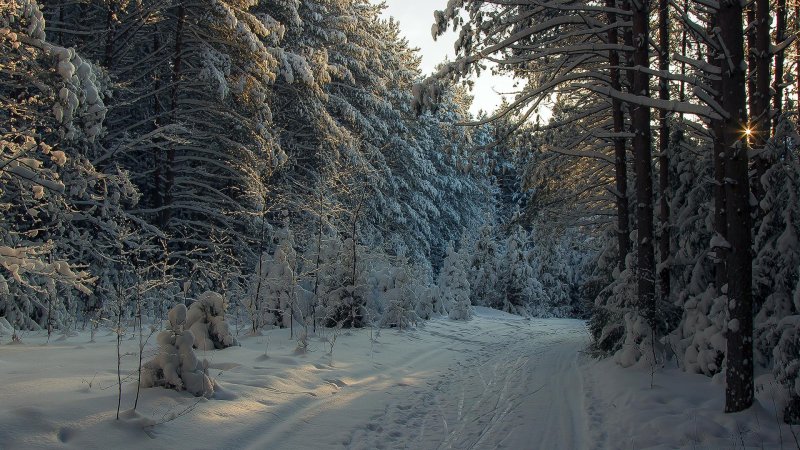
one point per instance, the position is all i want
(684, 42)
(110, 35)
(640, 121)
(760, 118)
(620, 156)
(720, 216)
(739, 373)
(663, 151)
(627, 39)
(750, 13)
(156, 193)
(169, 170)
(780, 36)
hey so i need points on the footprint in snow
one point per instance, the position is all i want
(336, 382)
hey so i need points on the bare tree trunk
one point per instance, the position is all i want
(759, 94)
(158, 160)
(739, 373)
(720, 216)
(176, 78)
(141, 332)
(760, 118)
(620, 156)
(780, 36)
(684, 42)
(663, 151)
(61, 6)
(750, 13)
(111, 19)
(317, 264)
(640, 121)
(627, 39)
(355, 259)
(259, 274)
(119, 346)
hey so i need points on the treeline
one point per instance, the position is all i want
(674, 139)
(267, 151)
(157, 148)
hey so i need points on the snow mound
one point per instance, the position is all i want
(176, 365)
(206, 320)
(5, 328)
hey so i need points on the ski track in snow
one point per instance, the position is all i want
(515, 393)
(514, 385)
(497, 381)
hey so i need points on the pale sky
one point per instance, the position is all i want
(416, 18)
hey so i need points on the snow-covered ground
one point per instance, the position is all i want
(497, 381)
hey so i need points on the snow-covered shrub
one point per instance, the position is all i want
(522, 288)
(176, 365)
(776, 266)
(59, 211)
(454, 286)
(393, 291)
(430, 302)
(206, 321)
(273, 286)
(701, 342)
(482, 271)
(787, 364)
(347, 288)
(607, 323)
(5, 328)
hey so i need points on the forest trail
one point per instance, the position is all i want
(497, 381)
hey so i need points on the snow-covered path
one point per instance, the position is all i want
(516, 392)
(497, 381)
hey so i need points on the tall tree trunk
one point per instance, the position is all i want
(627, 39)
(663, 151)
(739, 373)
(684, 44)
(156, 195)
(760, 118)
(620, 156)
(718, 158)
(61, 7)
(169, 171)
(780, 36)
(111, 20)
(640, 120)
(750, 14)
(760, 97)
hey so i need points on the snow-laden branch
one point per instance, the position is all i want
(664, 105)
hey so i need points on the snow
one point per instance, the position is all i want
(679, 410)
(496, 381)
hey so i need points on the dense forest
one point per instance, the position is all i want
(290, 156)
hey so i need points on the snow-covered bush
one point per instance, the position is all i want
(59, 211)
(206, 321)
(347, 288)
(454, 286)
(482, 271)
(786, 356)
(430, 301)
(607, 322)
(176, 365)
(517, 278)
(393, 290)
